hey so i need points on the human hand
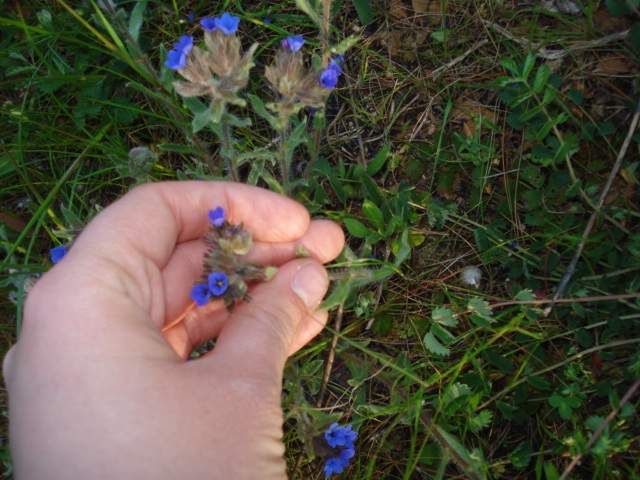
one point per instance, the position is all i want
(98, 390)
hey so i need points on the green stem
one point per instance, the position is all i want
(282, 158)
(228, 152)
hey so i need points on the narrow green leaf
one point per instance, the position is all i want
(356, 228)
(373, 214)
(371, 190)
(379, 160)
(172, 147)
(363, 8)
(401, 247)
(306, 7)
(337, 188)
(297, 136)
(200, 120)
(136, 19)
(258, 106)
(337, 296)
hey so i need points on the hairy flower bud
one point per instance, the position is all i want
(220, 71)
(225, 275)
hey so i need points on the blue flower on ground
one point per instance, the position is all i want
(293, 43)
(338, 58)
(200, 293)
(58, 253)
(338, 464)
(217, 216)
(227, 23)
(267, 20)
(338, 436)
(177, 58)
(218, 283)
(333, 465)
(191, 16)
(329, 77)
(208, 24)
(341, 439)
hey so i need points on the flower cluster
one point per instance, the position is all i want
(225, 275)
(220, 71)
(297, 85)
(227, 23)
(329, 77)
(340, 439)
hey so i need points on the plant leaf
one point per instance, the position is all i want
(379, 160)
(356, 228)
(136, 19)
(306, 7)
(434, 346)
(365, 14)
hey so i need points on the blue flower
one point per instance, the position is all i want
(200, 293)
(227, 23)
(217, 216)
(267, 20)
(293, 43)
(58, 253)
(338, 464)
(177, 58)
(333, 465)
(341, 439)
(218, 283)
(338, 436)
(329, 77)
(338, 58)
(208, 24)
(191, 16)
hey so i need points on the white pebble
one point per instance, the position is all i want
(471, 277)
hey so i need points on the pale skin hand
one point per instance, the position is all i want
(98, 390)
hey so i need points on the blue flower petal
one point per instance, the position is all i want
(200, 293)
(177, 58)
(217, 216)
(345, 455)
(335, 67)
(294, 43)
(227, 23)
(208, 24)
(218, 283)
(338, 436)
(58, 253)
(329, 79)
(185, 44)
(333, 465)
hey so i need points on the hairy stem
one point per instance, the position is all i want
(282, 158)
(228, 152)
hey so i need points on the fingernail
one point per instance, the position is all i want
(310, 283)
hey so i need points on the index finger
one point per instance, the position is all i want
(151, 219)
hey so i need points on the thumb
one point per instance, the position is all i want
(279, 320)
